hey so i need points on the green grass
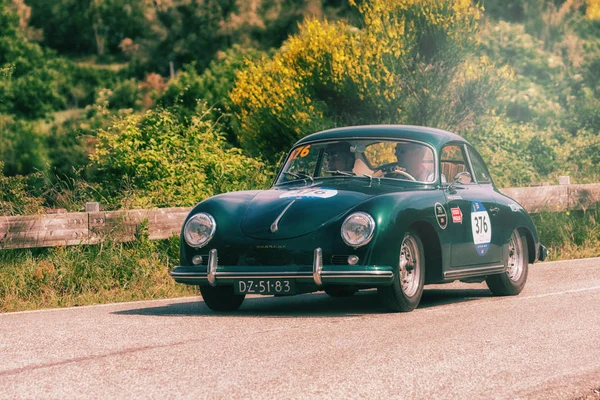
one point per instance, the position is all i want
(570, 235)
(82, 275)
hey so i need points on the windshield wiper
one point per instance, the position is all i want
(300, 175)
(338, 172)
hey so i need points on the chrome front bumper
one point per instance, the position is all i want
(317, 274)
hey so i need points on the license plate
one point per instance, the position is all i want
(265, 286)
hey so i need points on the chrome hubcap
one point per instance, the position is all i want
(409, 267)
(515, 257)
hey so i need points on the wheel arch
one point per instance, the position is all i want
(433, 251)
(531, 250)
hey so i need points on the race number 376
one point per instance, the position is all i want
(480, 224)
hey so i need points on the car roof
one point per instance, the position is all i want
(435, 137)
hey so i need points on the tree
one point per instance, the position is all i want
(409, 62)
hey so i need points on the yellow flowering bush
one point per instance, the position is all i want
(410, 61)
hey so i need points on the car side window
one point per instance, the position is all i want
(481, 173)
(452, 161)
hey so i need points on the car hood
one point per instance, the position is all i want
(287, 212)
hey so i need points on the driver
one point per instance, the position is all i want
(339, 157)
(411, 156)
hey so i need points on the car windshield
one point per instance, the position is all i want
(390, 159)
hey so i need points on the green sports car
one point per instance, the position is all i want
(391, 207)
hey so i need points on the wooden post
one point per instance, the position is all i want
(564, 180)
(92, 206)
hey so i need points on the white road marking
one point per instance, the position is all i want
(95, 305)
(503, 299)
(537, 296)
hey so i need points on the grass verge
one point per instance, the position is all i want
(569, 235)
(83, 275)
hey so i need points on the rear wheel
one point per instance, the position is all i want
(512, 281)
(409, 277)
(221, 298)
(340, 291)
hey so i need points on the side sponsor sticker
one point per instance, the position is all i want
(481, 227)
(320, 193)
(457, 215)
(440, 215)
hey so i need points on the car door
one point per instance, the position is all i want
(470, 207)
(497, 214)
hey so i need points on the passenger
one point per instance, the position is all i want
(339, 157)
(411, 157)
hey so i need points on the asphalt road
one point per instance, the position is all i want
(460, 343)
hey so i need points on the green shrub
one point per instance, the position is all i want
(15, 198)
(125, 94)
(22, 147)
(162, 159)
(212, 87)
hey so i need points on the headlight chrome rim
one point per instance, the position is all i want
(371, 225)
(213, 229)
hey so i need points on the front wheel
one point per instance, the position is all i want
(409, 277)
(221, 298)
(512, 281)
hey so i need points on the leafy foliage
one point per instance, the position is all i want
(15, 198)
(211, 87)
(408, 64)
(167, 160)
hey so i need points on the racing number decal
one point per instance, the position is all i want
(320, 193)
(481, 227)
(301, 151)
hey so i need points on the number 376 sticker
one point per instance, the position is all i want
(482, 228)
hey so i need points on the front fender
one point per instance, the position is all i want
(394, 215)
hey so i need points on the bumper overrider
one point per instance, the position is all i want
(318, 274)
(542, 253)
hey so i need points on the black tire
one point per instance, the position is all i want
(399, 298)
(511, 283)
(340, 291)
(221, 298)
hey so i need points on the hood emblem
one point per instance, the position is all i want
(275, 224)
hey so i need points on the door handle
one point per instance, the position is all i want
(494, 210)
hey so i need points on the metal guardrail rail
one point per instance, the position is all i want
(51, 230)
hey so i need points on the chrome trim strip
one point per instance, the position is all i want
(354, 273)
(466, 150)
(211, 273)
(318, 266)
(192, 275)
(469, 272)
(360, 276)
(275, 224)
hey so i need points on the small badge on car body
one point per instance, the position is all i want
(457, 215)
(440, 215)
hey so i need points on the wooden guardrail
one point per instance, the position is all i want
(92, 227)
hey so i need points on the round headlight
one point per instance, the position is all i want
(199, 229)
(357, 229)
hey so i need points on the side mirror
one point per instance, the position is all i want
(463, 178)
